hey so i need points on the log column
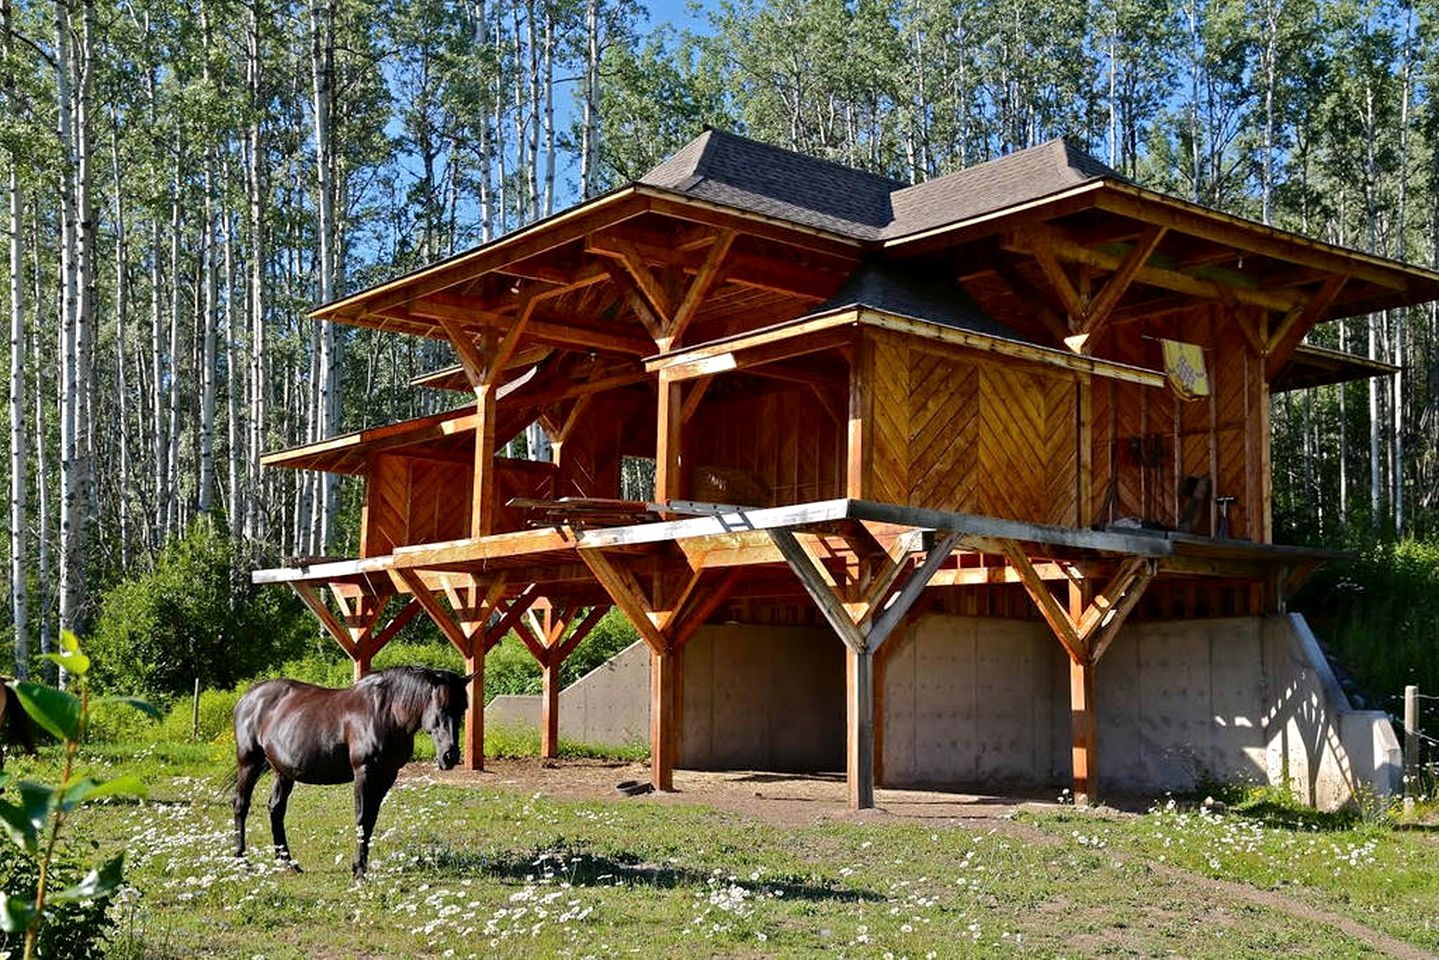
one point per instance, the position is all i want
(863, 625)
(1085, 628)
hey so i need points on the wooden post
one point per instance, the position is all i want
(1411, 744)
(1084, 753)
(474, 758)
(362, 662)
(662, 682)
(859, 728)
(195, 712)
(550, 708)
(482, 508)
(668, 455)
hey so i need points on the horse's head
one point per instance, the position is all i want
(443, 715)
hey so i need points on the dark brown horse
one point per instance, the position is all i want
(364, 733)
(14, 722)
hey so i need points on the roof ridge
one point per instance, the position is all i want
(765, 144)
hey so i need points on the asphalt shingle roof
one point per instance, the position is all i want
(915, 291)
(770, 180)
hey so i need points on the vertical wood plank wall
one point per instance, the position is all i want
(783, 437)
(1153, 440)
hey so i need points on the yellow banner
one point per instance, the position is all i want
(1184, 363)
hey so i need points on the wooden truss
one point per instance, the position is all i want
(863, 609)
(1085, 627)
(546, 632)
(355, 628)
(666, 617)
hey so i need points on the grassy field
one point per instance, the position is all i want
(510, 872)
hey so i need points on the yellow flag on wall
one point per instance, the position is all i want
(1184, 363)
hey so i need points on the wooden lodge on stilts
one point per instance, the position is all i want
(984, 460)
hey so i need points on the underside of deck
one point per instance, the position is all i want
(864, 566)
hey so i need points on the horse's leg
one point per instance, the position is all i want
(246, 775)
(279, 800)
(371, 785)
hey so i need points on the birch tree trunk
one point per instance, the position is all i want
(69, 312)
(18, 519)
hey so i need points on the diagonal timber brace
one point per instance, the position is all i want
(357, 627)
(546, 632)
(1086, 632)
(892, 593)
(665, 627)
(476, 611)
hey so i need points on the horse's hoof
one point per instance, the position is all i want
(291, 866)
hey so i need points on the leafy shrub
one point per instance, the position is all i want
(217, 717)
(194, 615)
(76, 928)
(1380, 614)
(611, 635)
(119, 723)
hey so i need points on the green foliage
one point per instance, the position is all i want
(217, 717)
(1380, 612)
(505, 740)
(77, 928)
(193, 615)
(611, 635)
(509, 667)
(34, 824)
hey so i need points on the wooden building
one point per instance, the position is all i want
(863, 399)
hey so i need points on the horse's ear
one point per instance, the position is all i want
(467, 678)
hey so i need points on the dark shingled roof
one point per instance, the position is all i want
(914, 291)
(780, 183)
(770, 180)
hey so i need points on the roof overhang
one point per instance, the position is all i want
(835, 327)
(1312, 366)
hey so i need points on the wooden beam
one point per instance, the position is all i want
(859, 728)
(482, 492)
(1042, 249)
(669, 433)
(698, 289)
(1108, 298)
(1084, 753)
(625, 591)
(337, 630)
(1060, 249)
(1296, 324)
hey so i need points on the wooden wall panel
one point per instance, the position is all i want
(413, 500)
(944, 419)
(952, 430)
(1155, 440)
(780, 437)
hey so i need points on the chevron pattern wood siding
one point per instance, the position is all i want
(953, 431)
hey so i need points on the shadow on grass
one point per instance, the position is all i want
(582, 868)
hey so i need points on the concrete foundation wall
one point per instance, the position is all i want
(985, 703)
(758, 697)
(763, 698)
(609, 706)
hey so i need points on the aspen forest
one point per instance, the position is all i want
(187, 178)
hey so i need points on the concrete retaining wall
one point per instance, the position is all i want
(985, 703)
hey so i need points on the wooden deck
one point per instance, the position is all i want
(864, 564)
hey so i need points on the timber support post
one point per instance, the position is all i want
(863, 624)
(1085, 627)
(544, 635)
(666, 625)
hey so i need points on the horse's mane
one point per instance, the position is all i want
(409, 687)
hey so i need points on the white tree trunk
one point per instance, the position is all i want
(18, 520)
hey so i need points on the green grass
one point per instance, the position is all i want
(514, 873)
